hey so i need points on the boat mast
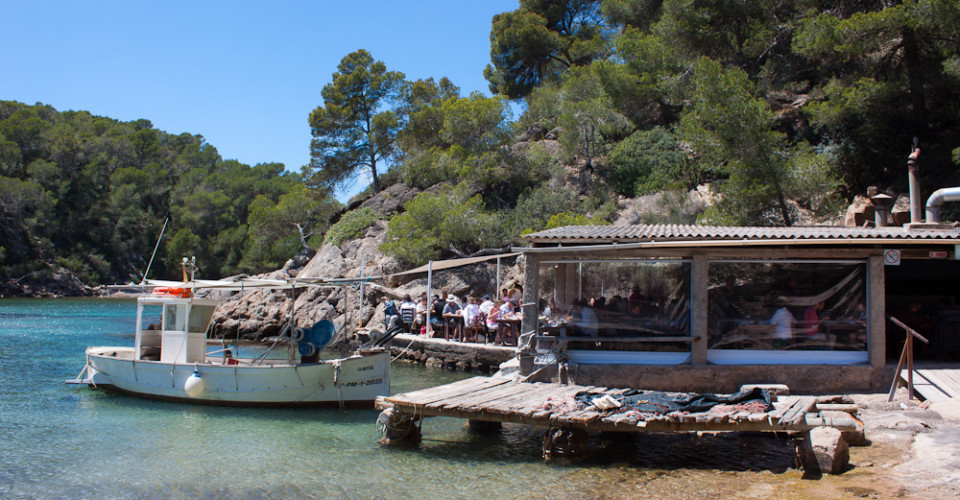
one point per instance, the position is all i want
(155, 247)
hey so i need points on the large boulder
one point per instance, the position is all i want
(824, 451)
(391, 199)
(859, 212)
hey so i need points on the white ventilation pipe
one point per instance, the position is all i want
(938, 198)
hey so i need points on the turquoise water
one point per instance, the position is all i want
(58, 441)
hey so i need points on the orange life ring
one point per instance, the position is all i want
(173, 292)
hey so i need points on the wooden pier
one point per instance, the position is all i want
(936, 382)
(549, 405)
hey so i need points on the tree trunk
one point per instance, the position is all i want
(784, 211)
(373, 173)
(303, 237)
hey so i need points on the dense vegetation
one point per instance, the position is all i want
(779, 105)
(91, 194)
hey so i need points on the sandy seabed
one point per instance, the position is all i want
(913, 452)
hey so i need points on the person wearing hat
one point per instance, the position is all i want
(451, 315)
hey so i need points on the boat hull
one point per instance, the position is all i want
(355, 381)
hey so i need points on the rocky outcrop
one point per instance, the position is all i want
(859, 213)
(663, 208)
(260, 314)
(392, 199)
(54, 281)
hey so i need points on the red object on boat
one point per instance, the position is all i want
(173, 292)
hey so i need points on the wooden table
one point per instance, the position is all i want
(511, 324)
(456, 321)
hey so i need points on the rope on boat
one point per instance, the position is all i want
(336, 382)
(404, 350)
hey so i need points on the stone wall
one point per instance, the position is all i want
(480, 358)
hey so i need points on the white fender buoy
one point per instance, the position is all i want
(194, 385)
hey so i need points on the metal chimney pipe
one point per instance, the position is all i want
(938, 198)
(913, 169)
(881, 204)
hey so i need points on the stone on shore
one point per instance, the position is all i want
(824, 451)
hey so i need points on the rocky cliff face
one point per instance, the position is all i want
(53, 282)
(261, 314)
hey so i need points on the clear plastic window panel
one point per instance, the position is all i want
(636, 305)
(787, 306)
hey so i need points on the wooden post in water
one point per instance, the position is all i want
(565, 443)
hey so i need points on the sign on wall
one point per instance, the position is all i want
(891, 257)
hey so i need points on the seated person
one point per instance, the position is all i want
(812, 321)
(391, 313)
(422, 309)
(452, 307)
(507, 308)
(783, 322)
(471, 317)
(584, 321)
(486, 304)
(550, 313)
(516, 295)
(491, 319)
(408, 313)
(436, 315)
(507, 331)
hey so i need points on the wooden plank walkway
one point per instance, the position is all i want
(935, 383)
(552, 405)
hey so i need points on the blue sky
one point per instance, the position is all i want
(245, 75)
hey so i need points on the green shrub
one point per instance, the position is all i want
(652, 160)
(433, 224)
(572, 219)
(351, 226)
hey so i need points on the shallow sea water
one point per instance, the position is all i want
(60, 441)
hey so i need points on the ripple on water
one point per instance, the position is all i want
(58, 441)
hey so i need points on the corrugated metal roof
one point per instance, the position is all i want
(675, 232)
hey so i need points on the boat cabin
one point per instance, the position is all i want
(181, 335)
(706, 308)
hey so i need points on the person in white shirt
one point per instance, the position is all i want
(422, 307)
(486, 305)
(516, 294)
(783, 322)
(408, 312)
(585, 320)
(471, 317)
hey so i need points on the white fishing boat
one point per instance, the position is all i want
(172, 360)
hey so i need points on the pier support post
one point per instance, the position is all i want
(565, 443)
(397, 429)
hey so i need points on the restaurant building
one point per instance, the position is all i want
(708, 308)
